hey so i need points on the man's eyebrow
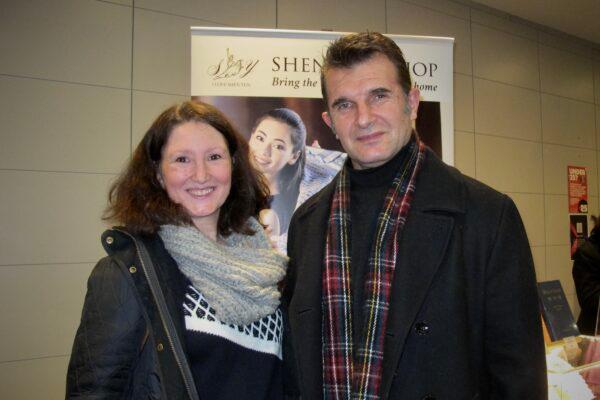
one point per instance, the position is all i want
(380, 90)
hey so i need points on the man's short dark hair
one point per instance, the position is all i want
(355, 48)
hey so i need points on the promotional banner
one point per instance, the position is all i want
(267, 82)
(578, 189)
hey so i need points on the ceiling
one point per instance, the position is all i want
(579, 18)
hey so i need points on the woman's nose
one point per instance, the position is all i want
(201, 173)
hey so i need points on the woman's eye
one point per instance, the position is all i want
(181, 159)
(260, 138)
(279, 147)
(215, 156)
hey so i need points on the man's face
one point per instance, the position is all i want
(369, 112)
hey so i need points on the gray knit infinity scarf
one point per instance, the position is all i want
(238, 275)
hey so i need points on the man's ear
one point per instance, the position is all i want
(327, 118)
(413, 99)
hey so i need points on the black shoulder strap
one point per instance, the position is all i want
(165, 316)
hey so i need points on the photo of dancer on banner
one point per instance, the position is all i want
(290, 145)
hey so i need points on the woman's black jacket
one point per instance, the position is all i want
(123, 348)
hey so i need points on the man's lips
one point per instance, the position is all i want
(371, 137)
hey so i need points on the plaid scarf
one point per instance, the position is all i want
(349, 374)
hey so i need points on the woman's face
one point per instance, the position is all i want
(272, 148)
(195, 171)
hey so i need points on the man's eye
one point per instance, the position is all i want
(380, 96)
(343, 106)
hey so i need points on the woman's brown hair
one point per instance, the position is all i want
(138, 201)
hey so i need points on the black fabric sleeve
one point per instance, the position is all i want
(586, 274)
(109, 338)
(514, 345)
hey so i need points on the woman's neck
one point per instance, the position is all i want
(207, 228)
(273, 185)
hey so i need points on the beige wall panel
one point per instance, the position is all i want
(531, 208)
(146, 108)
(565, 42)
(410, 19)
(40, 308)
(557, 219)
(507, 110)
(161, 56)
(509, 165)
(568, 122)
(449, 7)
(345, 16)
(574, 305)
(506, 58)
(559, 266)
(598, 126)
(464, 152)
(62, 127)
(566, 74)
(43, 378)
(246, 13)
(556, 160)
(51, 217)
(597, 82)
(69, 40)
(463, 103)
(504, 24)
(122, 2)
(539, 261)
(597, 116)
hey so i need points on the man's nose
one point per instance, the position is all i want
(364, 117)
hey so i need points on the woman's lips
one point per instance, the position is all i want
(201, 192)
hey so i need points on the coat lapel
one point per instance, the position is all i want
(422, 247)
(305, 310)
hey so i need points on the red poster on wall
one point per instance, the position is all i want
(578, 189)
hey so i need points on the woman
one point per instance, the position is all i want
(186, 303)
(277, 143)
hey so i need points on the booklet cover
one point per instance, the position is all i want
(556, 310)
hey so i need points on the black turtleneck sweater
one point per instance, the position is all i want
(368, 188)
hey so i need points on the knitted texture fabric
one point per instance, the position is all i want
(237, 275)
(349, 371)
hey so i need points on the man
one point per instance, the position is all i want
(407, 280)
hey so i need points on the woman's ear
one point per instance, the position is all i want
(160, 179)
(295, 157)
